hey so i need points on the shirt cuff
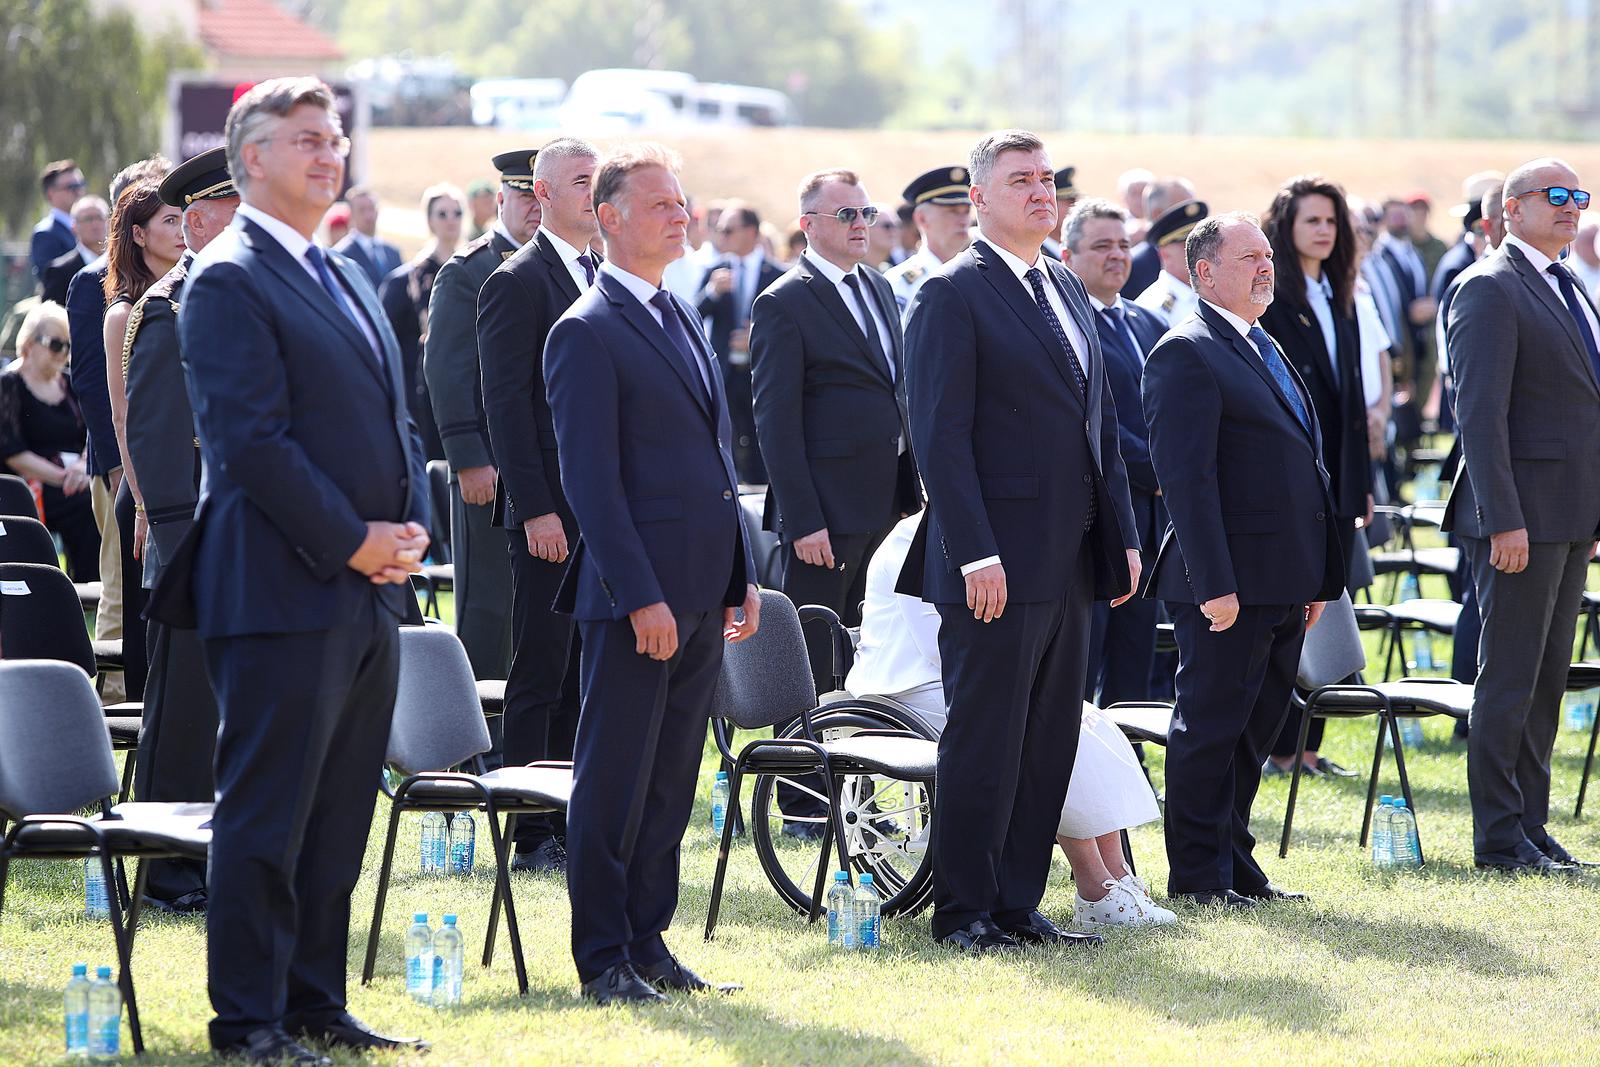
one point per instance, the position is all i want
(978, 565)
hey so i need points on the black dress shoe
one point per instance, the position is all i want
(980, 935)
(273, 1045)
(1333, 770)
(1041, 931)
(188, 904)
(550, 857)
(346, 1031)
(803, 831)
(1552, 848)
(1225, 898)
(670, 974)
(621, 984)
(1269, 893)
(1270, 769)
(1523, 858)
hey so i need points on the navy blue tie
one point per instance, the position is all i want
(673, 325)
(320, 262)
(1035, 278)
(1569, 293)
(1117, 317)
(1280, 373)
(586, 261)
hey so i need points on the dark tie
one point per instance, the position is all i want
(673, 325)
(586, 261)
(868, 323)
(1117, 317)
(1569, 293)
(335, 293)
(1036, 279)
(1280, 373)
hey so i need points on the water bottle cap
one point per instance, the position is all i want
(1386, 799)
(102, 972)
(866, 879)
(840, 876)
(80, 968)
(449, 920)
(420, 917)
(722, 776)
(1400, 804)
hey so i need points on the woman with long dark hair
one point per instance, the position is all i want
(405, 294)
(1313, 318)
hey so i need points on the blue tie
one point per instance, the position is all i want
(1569, 293)
(1117, 317)
(320, 262)
(679, 337)
(1280, 373)
(586, 261)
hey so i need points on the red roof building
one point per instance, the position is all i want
(257, 38)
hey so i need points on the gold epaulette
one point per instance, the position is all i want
(135, 318)
(912, 273)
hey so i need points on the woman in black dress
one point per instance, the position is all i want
(42, 436)
(405, 294)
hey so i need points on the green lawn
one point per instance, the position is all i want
(1444, 965)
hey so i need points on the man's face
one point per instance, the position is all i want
(1103, 256)
(1533, 218)
(1174, 260)
(205, 219)
(1419, 218)
(1583, 246)
(1494, 223)
(482, 204)
(945, 227)
(1019, 199)
(298, 162)
(364, 215)
(1240, 277)
(565, 196)
(842, 244)
(66, 189)
(650, 216)
(735, 237)
(519, 211)
(1397, 220)
(882, 237)
(90, 224)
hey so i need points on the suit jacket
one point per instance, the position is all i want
(829, 415)
(1456, 259)
(385, 257)
(86, 313)
(1007, 450)
(1528, 406)
(51, 239)
(723, 314)
(646, 461)
(1250, 506)
(518, 304)
(450, 351)
(1339, 397)
(1144, 269)
(160, 428)
(58, 275)
(1124, 372)
(305, 439)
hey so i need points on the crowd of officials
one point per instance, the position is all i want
(1005, 428)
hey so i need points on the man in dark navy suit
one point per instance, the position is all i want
(375, 256)
(61, 183)
(657, 580)
(518, 304)
(296, 570)
(1095, 246)
(1028, 522)
(1248, 560)
(91, 217)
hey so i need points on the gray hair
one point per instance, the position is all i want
(88, 203)
(1522, 179)
(623, 161)
(559, 151)
(1091, 208)
(45, 311)
(986, 151)
(1160, 195)
(1205, 240)
(254, 112)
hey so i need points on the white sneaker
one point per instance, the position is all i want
(1119, 907)
(1155, 914)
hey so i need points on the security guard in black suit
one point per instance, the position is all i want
(1066, 199)
(455, 385)
(180, 713)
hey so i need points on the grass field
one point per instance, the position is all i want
(1442, 965)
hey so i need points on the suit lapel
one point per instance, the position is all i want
(558, 269)
(277, 258)
(1311, 336)
(1014, 291)
(884, 296)
(1078, 307)
(1228, 335)
(390, 348)
(827, 294)
(652, 331)
(1542, 292)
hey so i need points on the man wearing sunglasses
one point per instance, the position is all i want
(1522, 334)
(62, 183)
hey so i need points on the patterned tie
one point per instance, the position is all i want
(1035, 278)
(679, 337)
(874, 342)
(1569, 293)
(320, 262)
(1280, 373)
(586, 261)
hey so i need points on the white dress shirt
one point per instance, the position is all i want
(1319, 292)
(64, 218)
(837, 277)
(1541, 263)
(643, 291)
(569, 259)
(1233, 320)
(500, 228)
(1375, 341)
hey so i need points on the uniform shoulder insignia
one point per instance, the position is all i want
(911, 272)
(1170, 302)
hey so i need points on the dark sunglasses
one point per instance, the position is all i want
(847, 215)
(1558, 195)
(56, 344)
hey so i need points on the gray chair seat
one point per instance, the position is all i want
(443, 575)
(492, 695)
(1166, 637)
(156, 827)
(108, 654)
(1142, 722)
(1373, 616)
(1439, 615)
(88, 594)
(1583, 675)
(550, 786)
(1421, 560)
(906, 758)
(124, 730)
(1406, 697)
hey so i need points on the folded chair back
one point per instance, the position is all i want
(766, 678)
(1332, 651)
(55, 754)
(438, 719)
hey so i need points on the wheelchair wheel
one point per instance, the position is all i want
(887, 821)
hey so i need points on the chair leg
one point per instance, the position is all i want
(501, 841)
(1405, 781)
(136, 906)
(1127, 853)
(127, 775)
(1588, 765)
(1294, 782)
(735, 782)
(383, 893)
(1372, 779)
(820, 887)
(835, 788)
(119, 934)
(502, 858)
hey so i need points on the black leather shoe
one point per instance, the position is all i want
(1269, 893)
(273, 1045)
(803, 831)
(1523, 858)
(346, 1031)
(1225, 898)
(1270, 769)
(980, 935)
(621, 984)
(1552, 848)
(1333, 770)
(1041, 931)
(670, 974)
(188, 904)
(550, 857)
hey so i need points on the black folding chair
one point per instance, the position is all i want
(16, 498)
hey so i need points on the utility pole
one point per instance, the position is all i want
(647, 42)
(1135, 61)
(1407, 108)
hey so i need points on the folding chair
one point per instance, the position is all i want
(16, 498)
(1421, 617)
(24, 539)
(764, 544)
(1582, 677)
(439, 496)
(765, 681)
(55, 759)
(439, 724)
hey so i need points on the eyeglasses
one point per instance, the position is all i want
(447, 214)
(847, 215)
(76, 187)
(57, 345)
(1558, 195)
(313, 143)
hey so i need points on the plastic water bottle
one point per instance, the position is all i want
(1410, 732)
(1579, 711)
(719, 804)
(435, 840)
(463, 842)
(448, 954)
(95, 903)
(419, 958)
(841, 913)
(1407, 849)
(1422, 645)
(1383, 834)
(105, 1017)
(1410, 588)
(75, 1011)
(868, 914)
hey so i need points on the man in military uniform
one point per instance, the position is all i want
(941, 208)
(1171, 294)
(455, 385)
(180, 712)
(1066, 199)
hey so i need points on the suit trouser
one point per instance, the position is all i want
(541, 712)
(108, 615)
(482, 585)
(1014, 688)
(1288, 742)
(305, 722)
(177, 743)
(1233, 693)
(135, 661)
(636, 761)
(1529, 620)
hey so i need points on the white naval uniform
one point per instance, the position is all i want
(1170, 298)
(908, 277)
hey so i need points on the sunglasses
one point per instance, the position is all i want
(56, 344)
(1558, 195)
(847, 215)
